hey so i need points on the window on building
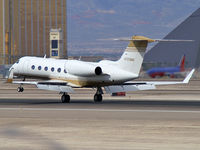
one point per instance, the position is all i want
(45, 68)
(33, 67)
(59, 70)
(54, 53)
(52, 69)
(39, 67)
(54, 44)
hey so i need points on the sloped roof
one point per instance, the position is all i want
(189, 29)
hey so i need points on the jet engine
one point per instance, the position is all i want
(83, 69)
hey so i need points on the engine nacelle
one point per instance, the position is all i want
(83, 69)
(98, 70)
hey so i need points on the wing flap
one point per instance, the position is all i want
(128, 88)
(51, 85)
(59, 88)
(25, 82)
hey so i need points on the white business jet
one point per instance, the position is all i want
(114, 76)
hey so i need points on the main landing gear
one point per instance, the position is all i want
(98, 95)
(65, 98)
(20, 89)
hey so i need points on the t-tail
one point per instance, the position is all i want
(132, 59)
(182, 64)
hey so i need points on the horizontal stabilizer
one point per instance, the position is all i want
(143, 38)
(153, 40)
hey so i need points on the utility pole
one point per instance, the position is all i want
(9, 33)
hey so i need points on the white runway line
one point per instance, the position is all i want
(101, 110)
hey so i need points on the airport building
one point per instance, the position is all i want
(171, 52)
(25, 27)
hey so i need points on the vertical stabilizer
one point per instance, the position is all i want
(182, 63)
(132, 58)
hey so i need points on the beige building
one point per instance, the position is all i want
(30, 24)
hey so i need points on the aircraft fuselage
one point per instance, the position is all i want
(76, 73)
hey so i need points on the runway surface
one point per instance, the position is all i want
(165, 119)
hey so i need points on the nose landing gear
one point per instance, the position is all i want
(20, 88)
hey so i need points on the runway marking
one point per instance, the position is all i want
(103, 110)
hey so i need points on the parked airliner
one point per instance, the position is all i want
(63, 75)
(167, 71)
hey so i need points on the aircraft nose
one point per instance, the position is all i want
(12, 67)
(11, 72)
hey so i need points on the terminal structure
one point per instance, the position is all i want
(171, 52)
(56, 43)
(25, 27)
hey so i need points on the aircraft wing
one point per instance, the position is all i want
(144, 85)
(52, 85)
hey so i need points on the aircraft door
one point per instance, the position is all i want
(22, 68)
(25, 67)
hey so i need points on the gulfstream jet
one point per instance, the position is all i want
(63, 75)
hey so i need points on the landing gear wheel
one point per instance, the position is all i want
(97, 98)
(65, 98)
(20, 89)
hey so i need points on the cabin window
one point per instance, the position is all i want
(59, 70)
(45, 68)
(39, 67)
(52, 69)
(33, 67)
(65, 71)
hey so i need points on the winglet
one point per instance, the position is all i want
(188, 77)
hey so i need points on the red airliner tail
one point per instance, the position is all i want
(182, 64)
